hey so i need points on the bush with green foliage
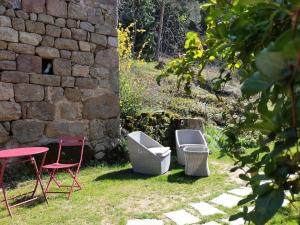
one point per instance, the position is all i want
(258, 41)
(159, 125)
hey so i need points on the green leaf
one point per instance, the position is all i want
(267, 205)
(251, 2)
(255, 84)
(271, 65)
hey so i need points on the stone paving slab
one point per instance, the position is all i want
(242, 191)
(145, 222)
(211, 223)
(206, 209)
(182, 217)
(226, 200)
(239, 221)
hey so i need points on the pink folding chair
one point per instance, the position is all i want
(53, 168)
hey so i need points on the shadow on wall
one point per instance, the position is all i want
(69, 154)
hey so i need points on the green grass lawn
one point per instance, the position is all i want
(114, 194)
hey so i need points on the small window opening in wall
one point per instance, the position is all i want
(47, 66)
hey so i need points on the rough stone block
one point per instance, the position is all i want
(67, 81)
(59, 129)
(18, 24)
(113, 128)
(113, 42)
(47, 52)
(53, 31)
(35, 27)
(10, 111)
(86, 83)
(60, 22)
(65, 54)
(6, 91)
(54, 94)
(30, 38)
(62, 67)
(14, 77)
(35, 6)
(106, 29)
(45, 19)
(41, 111)
(105, 106)
(100, 72)
(3, 45)
(8, 65)
(21, 48)
(71, 23)
(4, 135)
(66, 33)
(28, 93)
(107, 58)
(87, 26)
(97, 128)
(7, 55)
(29, 63)
(57, 8)
(5, 21)
(66, 44)
(48, 80)
(2, 9)
(68, 110)
(83, 58)
(8, 34)
(47, 41)
(80, 71)
(95, 16)
(99, 39)
(76, 11)
(10, 13)
(33, 16)
(22, 14)
(73, 94)
(84, 46)
(79, 34)
(25, 131)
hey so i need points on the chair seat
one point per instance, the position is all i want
(59, 166)
(160, 151)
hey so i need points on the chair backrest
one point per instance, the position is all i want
(71, 142)
(188, 136)
(143, 139)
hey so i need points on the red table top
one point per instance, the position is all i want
(19, 152)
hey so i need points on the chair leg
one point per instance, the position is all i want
(74, 176)
(49, 182)
(6, 201)
(73, 182)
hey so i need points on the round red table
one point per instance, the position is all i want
(27, 155)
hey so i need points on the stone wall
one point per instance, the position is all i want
(59, 72)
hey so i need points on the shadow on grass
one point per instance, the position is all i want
(180, 177)
(126, 174)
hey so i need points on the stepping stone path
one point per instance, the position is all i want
(182, 217)
(239, 221)
(243, 191)
(206, 209)
(145, 222)
(226, 200)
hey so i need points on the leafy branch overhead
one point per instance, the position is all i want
(257, 41)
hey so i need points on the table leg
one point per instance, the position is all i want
(38, 176)
(2, 168)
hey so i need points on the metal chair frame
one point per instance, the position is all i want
(53, 168)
